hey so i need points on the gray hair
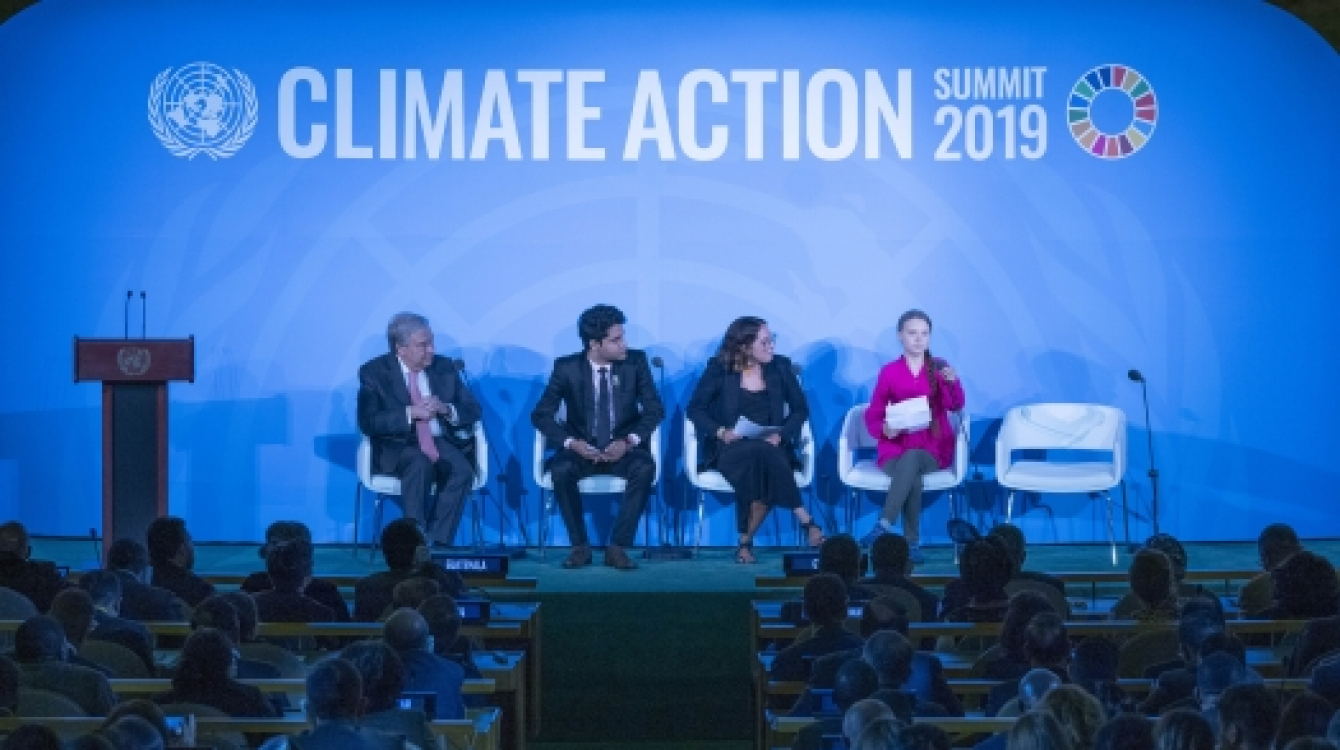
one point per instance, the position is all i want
(402, 326)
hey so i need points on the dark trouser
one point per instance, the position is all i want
(905, 490)
(452, 474)
(636, 467)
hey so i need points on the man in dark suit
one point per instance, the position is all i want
(418, 414)
(104, 591)
(40, 650)
(172, 554)
(140, 601)
(612, 409)
(1012, 539)
(403, 547)
(406, 632)
(36, 579)
(890, 558)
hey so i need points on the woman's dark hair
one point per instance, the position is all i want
(1183, 729)
(594, 324)
(284, 531)
(1305, 586)
(932, 373)
(1151, 578)
(985, 567)
(740, 335)
(1307, 715)
(205, 658)
(289, 564)
(165, 537)
(1023, 606)
(382, 672)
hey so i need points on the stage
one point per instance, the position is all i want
(661, 655)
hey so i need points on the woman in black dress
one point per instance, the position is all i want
(746, 379)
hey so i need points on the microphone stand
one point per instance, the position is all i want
(482, 547)
(665, 550)
(1153, 472)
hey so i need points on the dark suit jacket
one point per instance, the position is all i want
(123, 632)
(145, 603)
(431, 673)
(957, 596)
(637, 405)
(926, 681)
(373, 594)
(188, 586)
(1317, 637)
(229, 696)
(792, 664)
(716, 403)
(87, 687)
(317, 589)
(383, 397)
(36, 579)
(930, 603)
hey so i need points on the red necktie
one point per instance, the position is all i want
(421, 426)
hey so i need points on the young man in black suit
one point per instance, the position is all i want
(140, 601)
(36, 579)
(172, 555)
(419, 416)
(612, 409)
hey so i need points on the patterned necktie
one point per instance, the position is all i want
(603, 427)
(421, 426)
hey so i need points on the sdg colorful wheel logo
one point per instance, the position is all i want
(1112, 111)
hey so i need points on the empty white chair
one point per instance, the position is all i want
(713, 481)
(382, 485)
(864, 474)
(597, 485)
(1069, 427)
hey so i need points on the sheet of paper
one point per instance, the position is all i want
(912, 414)
(748, 429)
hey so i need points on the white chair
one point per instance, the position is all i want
(712, 481)
(597, 485)
(382, 485)
(864, 474)
(1070, 427)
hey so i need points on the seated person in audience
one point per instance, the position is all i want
(383, 678)
(172, 555)
(104, 591)
(890, 560)
(1125, 732)
(1248, 717)
(1176, 681)
(841, 555)
(1305, 715)
(1277, 543)
(1215, 675)
(33, 737)
(985, 567)
(1184, 729)
(1305, 588)
(412, 592)
(1151, 578)
(1077, 711)
(404, 547)
(1093, 666)
(890, 654)
(407, 634)
(219, 614)
(1012, 539)
(1170, 546)
(73, 609)
(862, 714)
(1317, 638)
(825, 600)
(38, 580)
(289, 567)
(444, 625)
(1034, 687)
(205, 676)
(317, 589)
(140, 601)
(9, 686)
(151, 713)
(1013, 663)
(334, 703)
(133, 733)
(879, 734)
(855, 681)
(1047, 646)
(1038, 729)
(40, 650)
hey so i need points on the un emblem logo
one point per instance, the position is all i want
(202, 109)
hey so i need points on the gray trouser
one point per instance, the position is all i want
(905, 490)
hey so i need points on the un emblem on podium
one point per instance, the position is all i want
(133, 361)
(202, 109)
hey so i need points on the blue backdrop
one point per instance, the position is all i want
(283, 177)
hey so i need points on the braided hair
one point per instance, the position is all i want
(932, 373)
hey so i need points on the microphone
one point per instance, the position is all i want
(144, 314)
(1137, 377)
(126, 315)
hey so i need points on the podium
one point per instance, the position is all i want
(134, 374)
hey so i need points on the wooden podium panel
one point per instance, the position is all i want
(134, 374)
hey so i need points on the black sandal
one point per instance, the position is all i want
(744, 553)
(807, 526)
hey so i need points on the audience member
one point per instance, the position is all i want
(1170, 546)
(985, 568)
(1077, 711)
(73, 609)
(1277, 543)
(1013, 663)
(1248, 717)
(890, 654)
(172, 555)
(407, 634)
(140, 601)
(218, 613)
(1175, 682)
(840, 555)
(862, 713)
(38, 580)
(855, 681)
(1305, 588)
(1216, 673)
(412, 592)
(317, 589)
(1012, 539)
(104, 591)
(205, 675)
(1183, 729)
(879, 734)
(891, 564)
(403, 547)
(1047, 647)
(33, 737)
(1125, 732)
(151, 713)
(133, 733)
(334, 701)
(1039, 730)
(1152, 583)
(1317, 638)
(1305, 715)
(289, 567)
(383, 679)
(444, 624)
(825, 599)
(40, 650)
